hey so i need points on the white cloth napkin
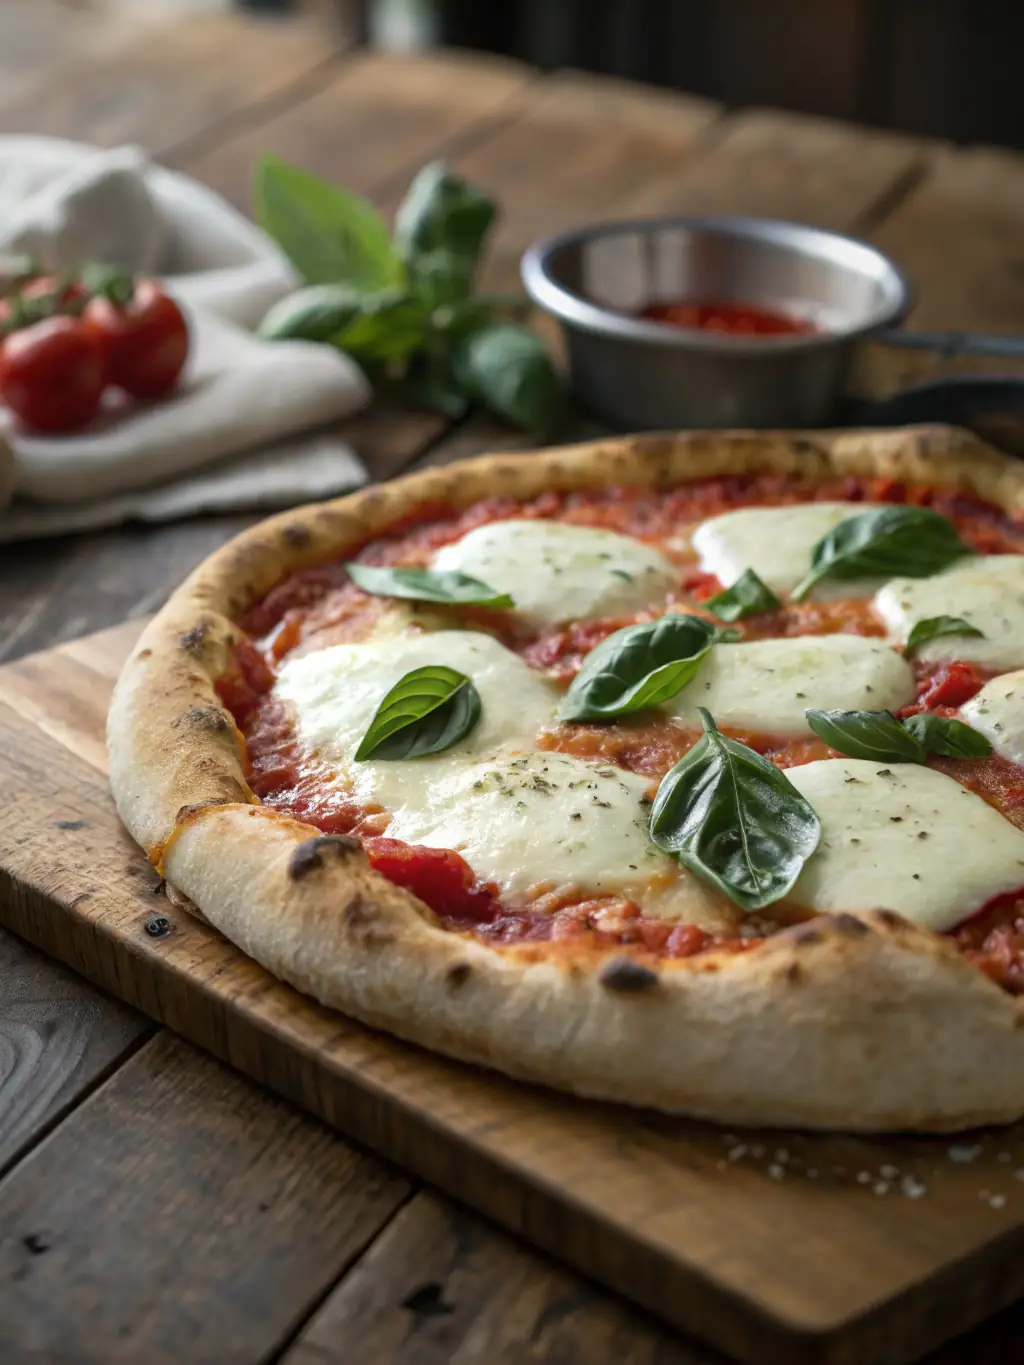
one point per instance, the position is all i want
(227, 440)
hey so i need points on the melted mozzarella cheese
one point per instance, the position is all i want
(997, 712)
(904, 838)
(548, 821)
(768, 685)
(776, 542)
(559, 572)
(987, 591)
(335, 692)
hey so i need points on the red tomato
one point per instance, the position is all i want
(52, 374)
(146, 339)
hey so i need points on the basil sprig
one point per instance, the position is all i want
(949, 737)
(426, 712)
(886, 542)
(748, 596)
(879, 737)
(449, 587)
(933, 627)
(404, 308)
(638, 666)
(735, 820)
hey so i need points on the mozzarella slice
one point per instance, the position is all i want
(558, 572)
(997, 712)
(905, 838)
(768, 685)
(548, 821)
(776, 542)
(335, 692)
(987, 591)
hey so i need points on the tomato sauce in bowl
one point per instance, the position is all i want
(729, 319)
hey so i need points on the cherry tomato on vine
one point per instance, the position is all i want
(145, 339)
(52, 374)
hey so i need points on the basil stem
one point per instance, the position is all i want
(748, 596)
(875, 735)
(638, 666)
(886, 542)
(735, 820)
(448, 588)
(935, 626)
(949, 737)
(426, 712)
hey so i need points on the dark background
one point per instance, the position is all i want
(942, 68)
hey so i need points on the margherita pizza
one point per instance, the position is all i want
(685, 771)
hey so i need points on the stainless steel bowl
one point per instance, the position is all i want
(635, 373)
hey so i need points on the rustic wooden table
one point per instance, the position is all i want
(157, 1206)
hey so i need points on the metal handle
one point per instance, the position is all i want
(951, 344)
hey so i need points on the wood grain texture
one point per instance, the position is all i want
(375, 123)
(730, 1238)
(131, 87)
(182, 1214)
(58, 1037)
(441, 1287)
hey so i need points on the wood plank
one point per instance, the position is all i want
(375, 124)
(131, 88)
(180, 1213)
(58, 1037)
(586, 147)
(440, 1287)
(731, 1239)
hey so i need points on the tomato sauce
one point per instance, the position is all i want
(320, 606)
(733, 319)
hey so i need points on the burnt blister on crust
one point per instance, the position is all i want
(316, 852)
(623, 974)
(196, 807)
(193, 640)
(458, 974)
(296, 536)
(210, 719)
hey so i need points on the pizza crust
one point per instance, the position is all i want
(839, 1023)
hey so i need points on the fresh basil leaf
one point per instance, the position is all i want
(317, 313)
(935, 626)
(944, 735)
(638, 666)
(748, 596)
(450, 588)
(426, 712)
(442, 214)
(469, 315)
(735, 820)
(507, 368)
(886, 542)
(329, 235)
(388, 327)
(875, 735)
(428, 384)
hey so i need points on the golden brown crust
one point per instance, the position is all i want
(835, 1024)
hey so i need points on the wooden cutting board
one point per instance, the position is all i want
(775, 1247)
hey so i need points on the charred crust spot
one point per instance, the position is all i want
(296, 536)
(210, 719)
(458, 974)
(193, 640)
(794, 974)
(187, 812)
(623, 974)
(851, 926)
(358, 913)
(806, 936)
(316, 852)
(890, 919)
(144, 654)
